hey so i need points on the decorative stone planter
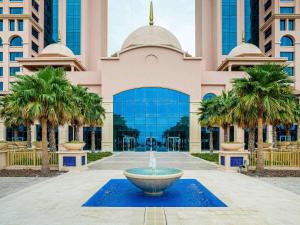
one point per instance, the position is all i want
(73, 146)
(232, 146)
(21, 144)
(267, 145)
(3, 145)
(37, 144)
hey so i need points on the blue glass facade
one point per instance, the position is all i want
(252, 21)
(51, 8)
(146, 118)
(74, 25)
(229, 25)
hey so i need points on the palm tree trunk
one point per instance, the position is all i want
(260, 162)
(288, 131)
(52, 142)
(29, 136)
(15, 133)
(274, 131)
(93, 145)
(251, 140)
(45, 156)
(211, 145)
(77, 129)
(226, 139)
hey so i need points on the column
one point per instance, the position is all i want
(63, 133)
(195, 134)
(107, 129)
(2, 131)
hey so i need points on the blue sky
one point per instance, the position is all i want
(175, 15)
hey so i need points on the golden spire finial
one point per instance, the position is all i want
(59, 38)
(151, 23)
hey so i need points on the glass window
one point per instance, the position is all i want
(151, 118)
(1, 56)
(282, 25)
(268, 16)
(1, 85)
(14, 70)
(1, 71)
(12, 26)
(229, 25)
(16, 0)
(286, 41)
(268, 46)
(16, 10)
(289, 71)
(251, 10)
(87, 138)
(34, 33)
(20, 25)
(1, 25)
(268, 32)
(35, 17)
(205, 138)
(16, 41)
(291, 25)
(51, 21)
(286, 10)
(289, 55)
(208, 96)
(35, 5)
(1, 42)
(34, 47)
(14, 55)
(268, 4)
(74, 25)
(1, 10)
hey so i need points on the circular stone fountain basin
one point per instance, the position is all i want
(153, 182)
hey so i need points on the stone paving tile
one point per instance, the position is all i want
(9, 185)
(289, 183)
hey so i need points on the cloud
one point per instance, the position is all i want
(127, 15)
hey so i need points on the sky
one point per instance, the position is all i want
(125, 16)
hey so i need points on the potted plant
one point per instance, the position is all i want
(73, 145)
(37, 144)
(3, 145)
(232, 146)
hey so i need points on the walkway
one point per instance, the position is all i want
(126, 160)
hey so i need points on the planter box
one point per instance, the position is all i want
(73, 146)
(232, 146)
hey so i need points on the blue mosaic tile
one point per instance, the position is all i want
(183, 193)
(223, 160)
(236, 161)
(69, 161)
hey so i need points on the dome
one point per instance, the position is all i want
(57, 49)
(245, 49)
(151, 35)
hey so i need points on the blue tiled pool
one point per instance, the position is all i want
(183, 193)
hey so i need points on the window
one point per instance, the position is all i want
(268, 32)
(14, 70)
(286, 10)
(1, 25)
(208, 96)
(1, 56)
(1, 71)
(268, 46)
(16, 10)
(35, 17)
(51, 22)
(268, 4)
(251, 21)
(282, 25)
(16, 41)
(16, 0)
(289, 55)
(1, 42)
(268, 16)
(74, 25)
(34, 33)
(14, 55)
(1, 86)
(291, 25)
(35, 47)
(12, 26)
(289, 71)
(20, 25)
(1, 10)
(35, 5)
(229, 25)
(286, 41)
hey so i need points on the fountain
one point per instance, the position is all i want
(152, 180)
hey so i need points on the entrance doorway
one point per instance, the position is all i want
(129, 143)
(173, 144)
(150, 144)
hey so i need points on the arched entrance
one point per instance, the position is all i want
(151, 118)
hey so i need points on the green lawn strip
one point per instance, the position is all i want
(98, 155)
(206, 156)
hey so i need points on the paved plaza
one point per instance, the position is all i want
(58, 200)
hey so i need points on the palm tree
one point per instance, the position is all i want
(261, 90)
(208, 118)
(44, 97)
(79, 97)
(94, 115)
(224, 105)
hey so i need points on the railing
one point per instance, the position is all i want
(30, 158)
(277, 158)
